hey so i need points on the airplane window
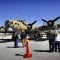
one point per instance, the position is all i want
(16, 23)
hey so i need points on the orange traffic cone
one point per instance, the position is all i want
(28, 54)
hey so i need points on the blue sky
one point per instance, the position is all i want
(29, 10)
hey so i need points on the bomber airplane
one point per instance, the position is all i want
(18, 25)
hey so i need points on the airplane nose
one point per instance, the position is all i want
(7, 24)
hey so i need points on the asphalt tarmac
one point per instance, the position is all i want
(39, 51)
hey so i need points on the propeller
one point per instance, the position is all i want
(34, 22)
(50, 23)
(56, 18)
(29, 26)
(44, 20)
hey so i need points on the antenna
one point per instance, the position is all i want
(16, 15)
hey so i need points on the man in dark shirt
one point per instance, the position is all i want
(23, 36)
(51, 36)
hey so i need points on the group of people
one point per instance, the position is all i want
(23, 36)
(53, 37)
(54, 41)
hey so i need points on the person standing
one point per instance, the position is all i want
(57, 42)
(15, 38)
(51, 36)
(23, 36)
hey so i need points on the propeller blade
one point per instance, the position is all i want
(44, 20)
(30, 25)
(56, 18)
(34, 22)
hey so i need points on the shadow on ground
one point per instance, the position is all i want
(41, 50)
(14, 47)
(18, 55)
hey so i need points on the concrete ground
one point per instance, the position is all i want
(39, 51)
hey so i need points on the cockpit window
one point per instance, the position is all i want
(11, 22)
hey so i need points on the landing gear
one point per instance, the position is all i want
(37, 37)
